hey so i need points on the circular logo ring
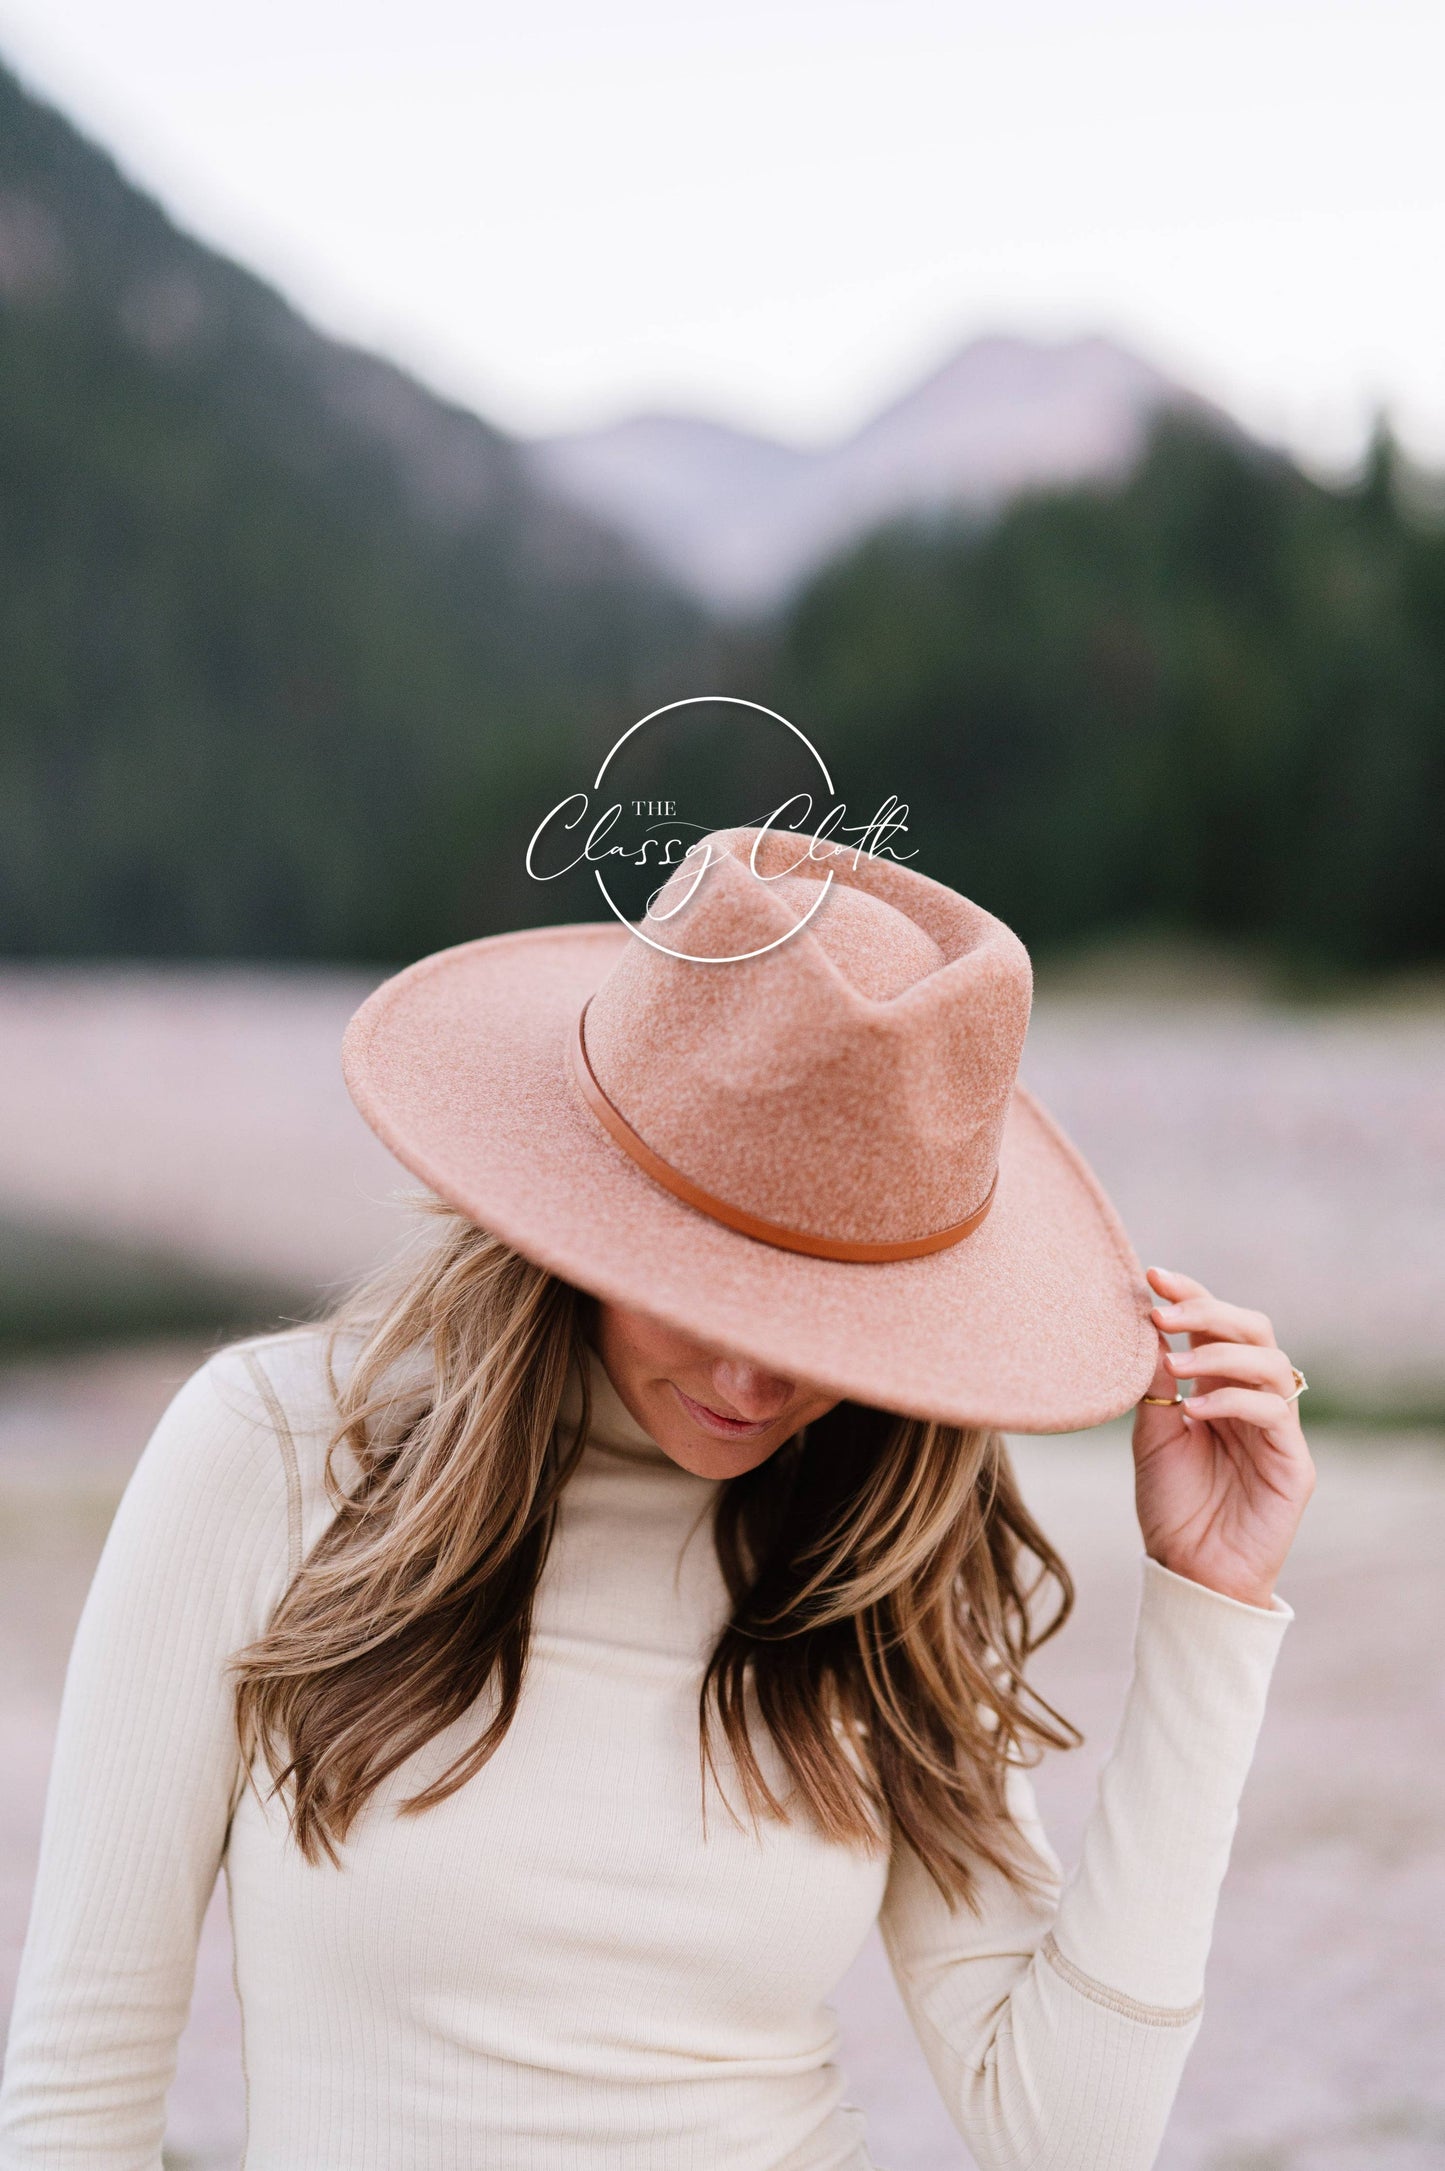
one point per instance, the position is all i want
(733, 701)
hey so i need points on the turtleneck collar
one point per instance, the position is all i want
(613, 1424)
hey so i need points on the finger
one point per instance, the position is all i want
(1164, 1386)
(1211, 1319)
(1171, 1285)
(1251, 1405)
(1251, 1365)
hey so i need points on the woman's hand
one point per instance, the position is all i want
(1221, 1479)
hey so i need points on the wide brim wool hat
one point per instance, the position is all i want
(781, 1113)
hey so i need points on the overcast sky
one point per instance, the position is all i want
(781, 211)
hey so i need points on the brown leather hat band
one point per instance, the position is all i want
(736, 1217)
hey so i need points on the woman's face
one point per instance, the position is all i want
(714, 1414)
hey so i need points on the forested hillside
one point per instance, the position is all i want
(1211, 700)
(279, 631)
(293, 655)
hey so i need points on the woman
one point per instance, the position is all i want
(572, 1651)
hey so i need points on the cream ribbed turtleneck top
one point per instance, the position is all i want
(564, 1966)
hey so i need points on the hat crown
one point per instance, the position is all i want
(878, 949)
(848, 1077)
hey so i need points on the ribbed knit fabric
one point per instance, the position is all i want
(573, 1963)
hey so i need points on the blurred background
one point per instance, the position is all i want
(1043, 406)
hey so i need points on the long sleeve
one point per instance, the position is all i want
(1057, 2026)
(142, 1783)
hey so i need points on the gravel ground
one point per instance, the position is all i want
(1320, 2047)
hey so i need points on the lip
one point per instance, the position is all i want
(726, 1428)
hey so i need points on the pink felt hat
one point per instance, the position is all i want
(803, 1143)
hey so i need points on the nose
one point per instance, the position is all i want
(747, 1390)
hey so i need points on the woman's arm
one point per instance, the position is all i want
(1058, 2024)
(143, 1781)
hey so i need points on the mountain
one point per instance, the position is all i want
(279, 626)
(742, 520)
(294, 656)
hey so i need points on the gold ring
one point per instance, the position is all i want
(1167, 1402)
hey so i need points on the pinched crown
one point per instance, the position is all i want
(851, 1080)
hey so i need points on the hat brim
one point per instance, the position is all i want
(1036, 1322)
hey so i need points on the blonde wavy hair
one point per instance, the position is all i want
(884, 1576)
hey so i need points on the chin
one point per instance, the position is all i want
(707, 1457)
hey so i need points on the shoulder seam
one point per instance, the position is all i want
(287, 1445)
(1152, 2016)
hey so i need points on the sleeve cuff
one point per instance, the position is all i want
(1189, 1593)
